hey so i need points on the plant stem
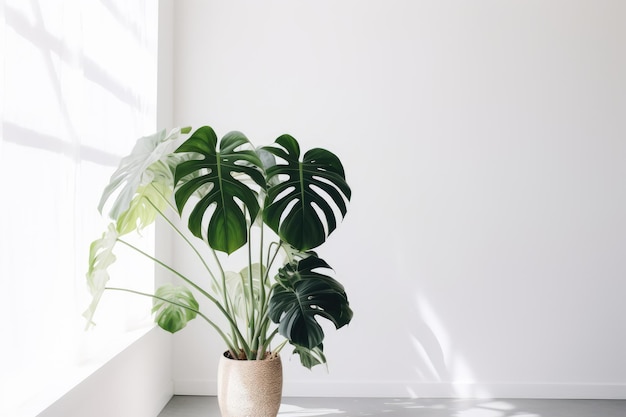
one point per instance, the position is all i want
(180, 233)
(197, 287)
(251, 313)
(280, 347)
(222, 288)
(264, 304)
(225, 338)
(229, 309)
(259, 336)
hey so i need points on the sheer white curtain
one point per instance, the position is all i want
(77, 86)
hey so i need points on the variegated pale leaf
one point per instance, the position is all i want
(100, 258)
(133, 170)
(174, 306)
(238, 289)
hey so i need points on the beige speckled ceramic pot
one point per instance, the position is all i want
(249, 388)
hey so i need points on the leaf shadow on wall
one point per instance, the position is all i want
(427, 335)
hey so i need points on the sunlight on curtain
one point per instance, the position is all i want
(78, 86)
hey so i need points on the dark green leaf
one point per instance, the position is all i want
(300, 295)
(311, 357)
(318, 181)
(218, 178)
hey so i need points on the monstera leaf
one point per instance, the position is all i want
(175, 306)
(223, 195)
(133, 169)
(149, 198)
(100, 258)
(238, 288)
(315, 182)
(300, 295)
(311, 357)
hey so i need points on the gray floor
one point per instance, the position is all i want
(190, 406)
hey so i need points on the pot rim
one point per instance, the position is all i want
(269, 356)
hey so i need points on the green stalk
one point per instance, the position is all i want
(263, 313)
(229, 308)
(280, 347)
(265, 344)
(181, 234)
(258, 336)
(225, 338)
(227, 302)
(251, 314)
(265, 305)
(194, 285)
(276, 351)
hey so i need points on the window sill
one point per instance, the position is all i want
(30, 394)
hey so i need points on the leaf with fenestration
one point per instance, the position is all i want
(310, 357)
(301, 206)
(300, 295)
(131, 173)
(142, 210)
(216, 175)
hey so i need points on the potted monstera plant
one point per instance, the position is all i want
(274, 205)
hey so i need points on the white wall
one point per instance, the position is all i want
(484, 252)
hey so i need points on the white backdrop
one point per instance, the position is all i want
(484, 252)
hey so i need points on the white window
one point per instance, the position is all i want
(77, 87)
